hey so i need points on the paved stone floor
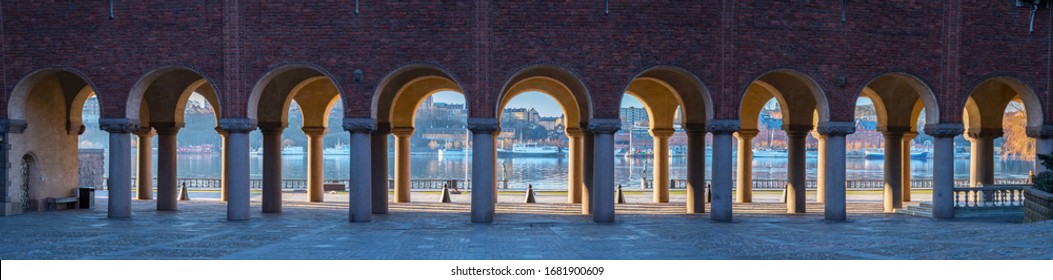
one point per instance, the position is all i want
(549, 230)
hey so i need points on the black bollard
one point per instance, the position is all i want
(709, 193)
(784, 193)
(183, 194)
(620, 196)
(445, 194)
(529, 194)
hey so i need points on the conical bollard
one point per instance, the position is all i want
(529, 194)
(709, 193)
(445, 194)
(620, 196)
(183, 194)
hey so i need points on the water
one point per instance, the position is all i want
(551, 173)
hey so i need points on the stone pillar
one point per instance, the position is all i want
(237, 157)
(820, 172)
(982, 158)
(272, 167)
(402, 163)
(145, 174)
(167, 167)
(943, 168)
(696, 168)
(796, 168)
(379, 162)
(223, 164)
(315, 162)
(744, 184)
(119, 183)
(834, 203)
(574, 180)
(587, 159)
(908, 138)
(720, 206)
(661, 164)
(893, 167)
(7, 128)
(603, 169)
(360, 185)
(484, 174)
(1043, 144)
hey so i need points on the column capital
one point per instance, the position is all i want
(909, 136)
(145, 132)
(694, 128)
(119, 125)
(944, 130)
(237, 125)
(383, 128)
(166, 128)
(221, 132)
(574, 132)
(723, 126)
(605, 126)
(402, 131)
(985, 133)
(12, 126)
(662, 132)
(893, 130)
(797, 128)
(836, 128)
(315, 131)
(484, 126)
(746, 133)
(1045, 131)
(272, 127)
(360, 125)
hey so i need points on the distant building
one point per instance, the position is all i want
(633, 116)
(521, 115)
(552, 123)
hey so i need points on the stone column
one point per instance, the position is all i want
(908, 138)
(119, 183)
(796, 168)
(943, 168)
(587, 159)
(720, 206)
(696, 168)
(379, 162)
(237, 157)
(223, 164)
(167, 167)
(574, 180)
(145, 174)
(402, 163)
(893, 167)
(7, 128)
(484, 174)
(744, 184)
(820, 172)
(360, 185)
(982, 159)
(1043, 144)
(603, 169)
(272, 167)
(315, 162)
(834, 204)
(661, 164)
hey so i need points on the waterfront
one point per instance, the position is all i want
(551, 173)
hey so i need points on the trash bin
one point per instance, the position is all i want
(86, 197)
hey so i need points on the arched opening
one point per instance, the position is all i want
(890, 113)
(50, 103)
(801, 104)
(302, 99)
(162, 100)
(996, 115)
(532, 149)
(400, 98)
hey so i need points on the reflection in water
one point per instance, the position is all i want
(551, 173)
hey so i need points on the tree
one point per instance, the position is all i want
(1016, 142)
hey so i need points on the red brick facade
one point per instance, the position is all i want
(951, 46)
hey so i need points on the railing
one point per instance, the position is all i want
(850, 184)
(989, 196)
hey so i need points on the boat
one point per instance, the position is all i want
(769, 153)
(532, 150)
(339, 149)
(633, 152)
(293, 150)
(880, 154)
(198, 149)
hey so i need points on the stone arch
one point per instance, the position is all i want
(403, 90)
(563, 85)
(73, 83)
(672, 84)
(800, 97)
(994, 94)
(274, 92)
(169, 84)
(899, 98)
